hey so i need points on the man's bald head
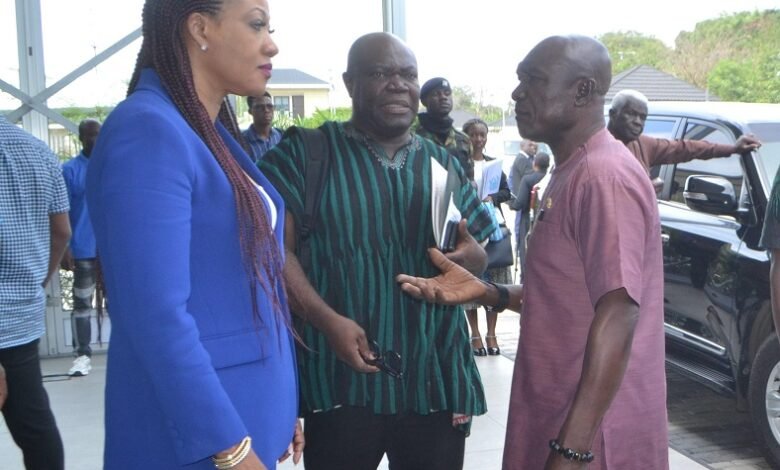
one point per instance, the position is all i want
(381, 79)
(579, 57)
(365, 49)
(563, 82)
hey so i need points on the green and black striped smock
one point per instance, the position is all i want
(374, 223)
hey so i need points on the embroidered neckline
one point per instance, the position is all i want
(395, 163)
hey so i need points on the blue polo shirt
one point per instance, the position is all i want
(258, 145)
(82, 244)
(31, 189)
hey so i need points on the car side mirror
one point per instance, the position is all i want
(710, 194)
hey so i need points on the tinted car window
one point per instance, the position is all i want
(663, 128)
(769, 154)
(729, 168)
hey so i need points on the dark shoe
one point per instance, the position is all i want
(495, 350)
(478, 351)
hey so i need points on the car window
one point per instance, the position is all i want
(729, 168)
(768, 160)
(661, 128)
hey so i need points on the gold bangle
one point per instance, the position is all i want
(233, 462)
(235, 457)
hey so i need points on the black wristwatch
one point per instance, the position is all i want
(503, 297)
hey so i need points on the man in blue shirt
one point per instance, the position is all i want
(261, 135)
(80, 256)
(34, 231)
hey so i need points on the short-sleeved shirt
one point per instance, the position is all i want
(31, 189)
(599, 232)
(82, 243)
(374, 222)
(770, 235)
(257, 144)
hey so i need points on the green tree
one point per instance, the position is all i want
(465, 99)
(629, 49)
(753, 80)
(735, 56)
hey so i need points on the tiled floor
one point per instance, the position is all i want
(78, 406)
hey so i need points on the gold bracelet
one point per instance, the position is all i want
(234, 461)
(235, 457)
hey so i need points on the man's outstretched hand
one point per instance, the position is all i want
(455, 285)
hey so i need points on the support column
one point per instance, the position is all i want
(394, 17)
(32, 76)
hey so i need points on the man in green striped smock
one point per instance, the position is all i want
(374, 222)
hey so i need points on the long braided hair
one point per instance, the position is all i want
(164, 51)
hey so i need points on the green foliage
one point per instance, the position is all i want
(283, 121)
(744, 45)
(77, 115)
(629, 49)
(465, 99)
(752, 80)
(736, 56)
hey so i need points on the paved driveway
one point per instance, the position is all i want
(703, 425)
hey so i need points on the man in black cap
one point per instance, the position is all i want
(436, 124)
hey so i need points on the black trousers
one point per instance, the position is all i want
(27, 412)
(354, 438)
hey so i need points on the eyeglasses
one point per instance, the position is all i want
(267, 107)
(389, 362)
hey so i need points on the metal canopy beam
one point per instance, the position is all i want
(37, 102)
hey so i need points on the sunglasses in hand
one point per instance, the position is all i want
(388, 362)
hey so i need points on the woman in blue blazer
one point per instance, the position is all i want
(201, 361)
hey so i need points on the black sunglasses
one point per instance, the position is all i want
(389, 362)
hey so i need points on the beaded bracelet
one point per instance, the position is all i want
(234, 458)
(571, 454)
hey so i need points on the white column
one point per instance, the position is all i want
(394, 17)
(32, 76)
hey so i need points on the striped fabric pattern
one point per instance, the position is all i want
(374, 223)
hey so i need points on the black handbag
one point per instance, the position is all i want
(499, 254)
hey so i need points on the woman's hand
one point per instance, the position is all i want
(296, 446)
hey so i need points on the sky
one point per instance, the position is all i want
(474, 44)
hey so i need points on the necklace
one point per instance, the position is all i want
(398, 160)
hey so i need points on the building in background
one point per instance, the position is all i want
(297, 93)
(657, 86)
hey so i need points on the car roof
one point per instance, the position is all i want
(742, 113)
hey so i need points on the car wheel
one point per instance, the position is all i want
(764, 398)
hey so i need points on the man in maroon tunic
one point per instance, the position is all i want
(627, 116)
(589, 374)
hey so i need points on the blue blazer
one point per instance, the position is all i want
(190, 370)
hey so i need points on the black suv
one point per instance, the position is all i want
(718, 315)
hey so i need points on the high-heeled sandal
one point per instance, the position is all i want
(481, 351)
(494, 351)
